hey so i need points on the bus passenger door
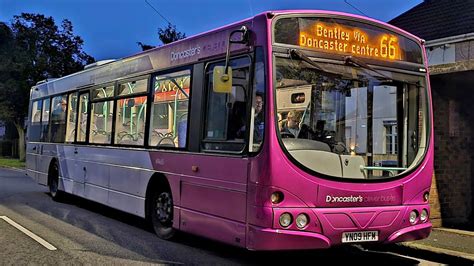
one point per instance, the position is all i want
(216, 191)
(79, 153)
(34, 136)
(32, 153)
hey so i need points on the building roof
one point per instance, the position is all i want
(436, 19)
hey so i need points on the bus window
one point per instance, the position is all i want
(225, 127)
(45, 120)
(130, 121)
(168, 125)
(258, 105)
(133, 87)
(101, 122)
(71, 117)
(83, 115)
(58, 118)
(103, 92)
(34, 131)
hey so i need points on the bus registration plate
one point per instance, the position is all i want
(361, 236)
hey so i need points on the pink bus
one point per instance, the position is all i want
(288, 130)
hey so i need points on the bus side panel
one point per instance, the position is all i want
(115, 177)
(67, 170)
(47, 151)
(32, 150)
(212, 192)
(128, 189)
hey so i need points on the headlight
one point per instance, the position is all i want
(285, 219)
(424, 215)
(276, 197)
(426, 196)
(413, 217)
(302, 221)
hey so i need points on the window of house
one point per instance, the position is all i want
(391, 139)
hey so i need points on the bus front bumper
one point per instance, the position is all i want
(276, 239)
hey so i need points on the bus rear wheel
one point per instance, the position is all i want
(162, 214)
(53, 182)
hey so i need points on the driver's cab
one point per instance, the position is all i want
(306, 139)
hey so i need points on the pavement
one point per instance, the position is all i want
(454, 244)
(445, 242)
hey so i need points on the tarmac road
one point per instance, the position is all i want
(84, 232)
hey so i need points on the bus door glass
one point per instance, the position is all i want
(34, 135)
(45, 120)
(226, 123)
(71, 117)
(82, 117)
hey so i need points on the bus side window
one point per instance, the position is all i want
(227, 113)
(131, 113)
(169, 110)
(71, 117)
(45, 120)
(101, 122)
(58, 118)
(82, 117)
(34, 132)
(130, 121)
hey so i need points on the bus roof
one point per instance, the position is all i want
(182, 52)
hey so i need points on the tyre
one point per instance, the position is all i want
(161, 213)
(53, 182)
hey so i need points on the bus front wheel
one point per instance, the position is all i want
(162, 214)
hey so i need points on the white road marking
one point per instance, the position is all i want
(28, 233)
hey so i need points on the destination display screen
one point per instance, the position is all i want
(346, 37)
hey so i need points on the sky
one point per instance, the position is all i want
(111, 28)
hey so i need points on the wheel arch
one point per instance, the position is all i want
(53, 161)
(158, 182)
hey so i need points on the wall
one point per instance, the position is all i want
(454, 145)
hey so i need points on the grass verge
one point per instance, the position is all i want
(10, 162)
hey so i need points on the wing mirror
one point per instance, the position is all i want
(222, 75)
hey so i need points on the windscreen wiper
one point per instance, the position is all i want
(296, 54)
(351, 61)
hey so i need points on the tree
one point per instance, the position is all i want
(170, 34)
(34, 48)
(145, 46)
(166, 35)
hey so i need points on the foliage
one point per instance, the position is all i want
(166, 35)
(145, 46)
(34, 48)
(170, 34)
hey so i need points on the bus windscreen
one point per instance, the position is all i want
(346, 37)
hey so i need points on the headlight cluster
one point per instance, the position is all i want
(286, 219)
(416, 217)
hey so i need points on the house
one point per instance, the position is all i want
(448, 28)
